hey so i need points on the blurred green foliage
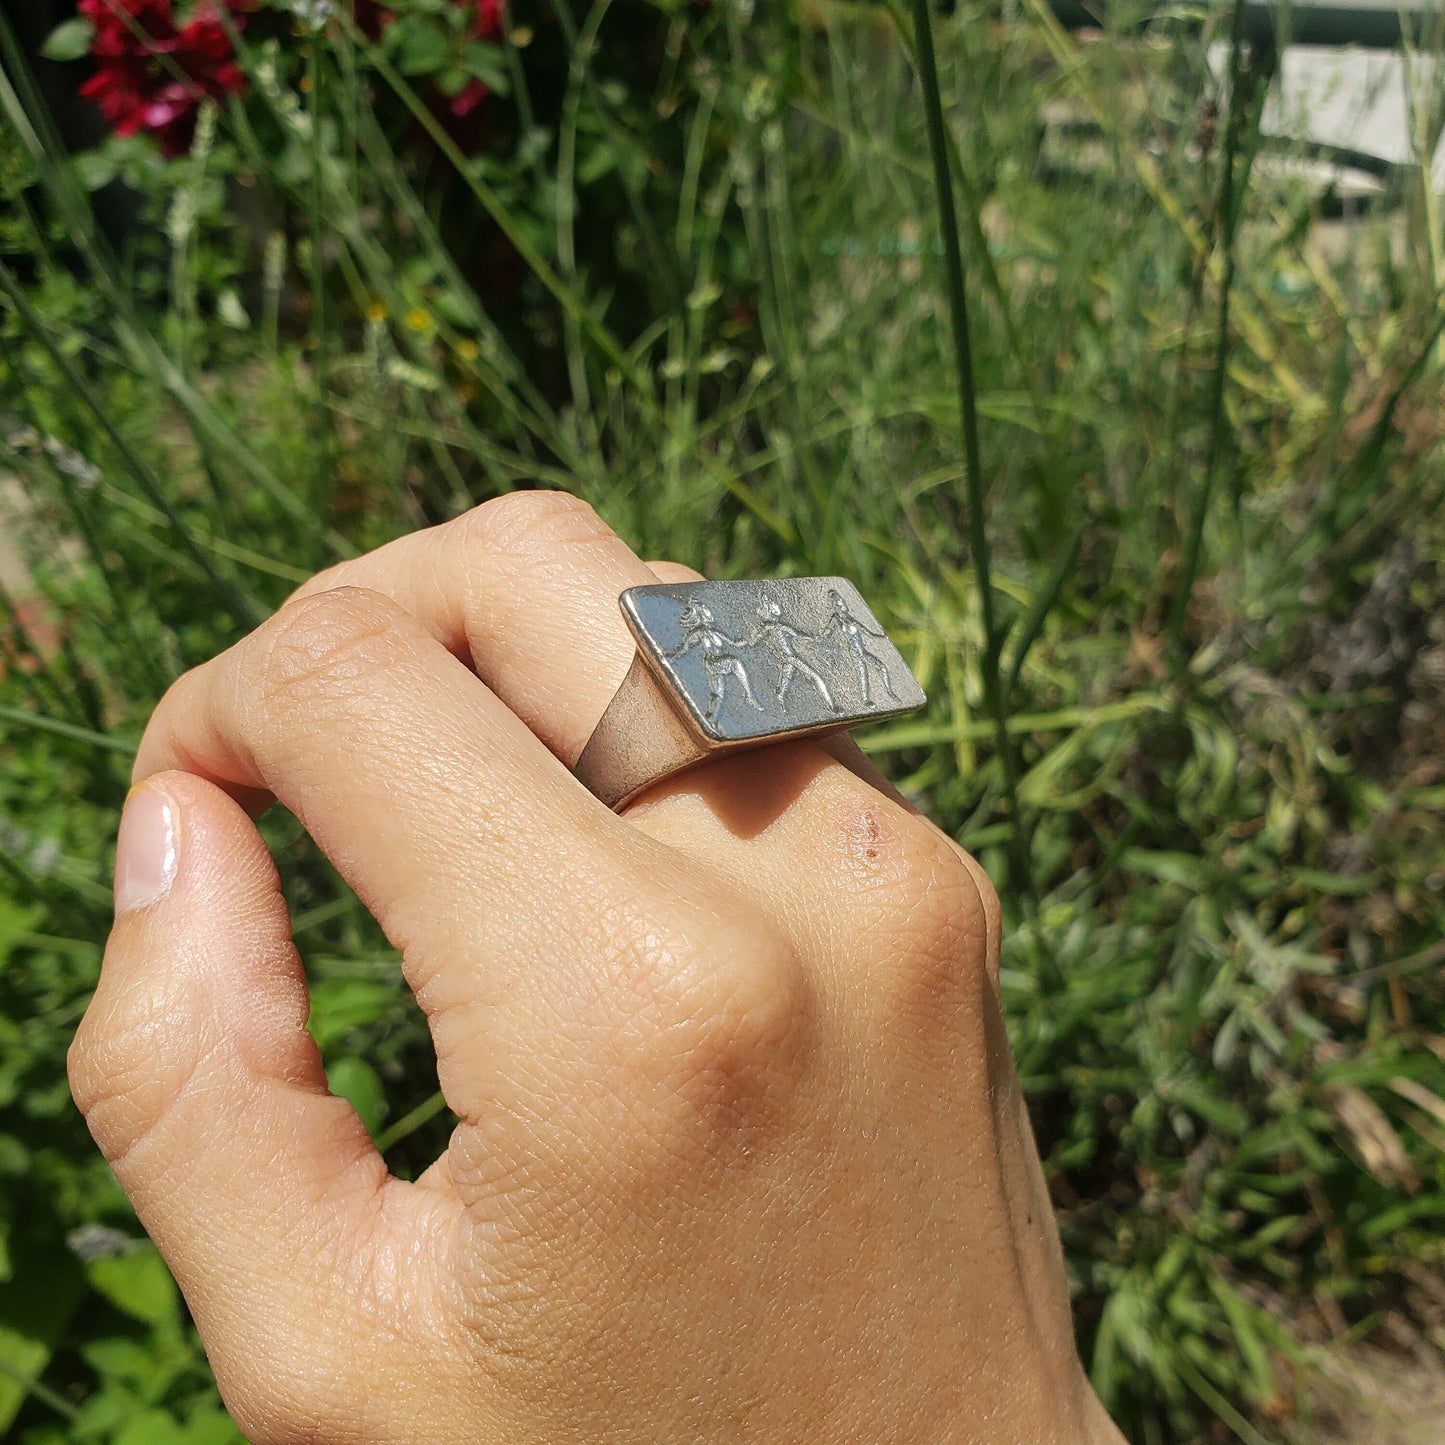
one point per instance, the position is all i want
(723, 322)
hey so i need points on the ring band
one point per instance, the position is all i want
(723, 666)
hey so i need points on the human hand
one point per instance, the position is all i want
(742, 1154)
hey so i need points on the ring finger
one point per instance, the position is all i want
(437, 805)
(524, 588)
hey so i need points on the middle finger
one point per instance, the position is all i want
(524, 588)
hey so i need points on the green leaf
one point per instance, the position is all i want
(14, 1157)
(95, 169)
(1271, 1234)
(157, 1427)
(457, 307)
(231, 311)
(1245, 1322)
(597, 161)
(1225, 1114)
(531, 146)
(486, 63)
(1185, 870)
(70, 41)
(355, 1081)
(424, 49)
(118, 1358)
(210, 1427)
(138, 1283)
(342, 1004)
(36, 1306)
(151, 1427)
(452, 80)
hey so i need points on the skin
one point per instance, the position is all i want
(742, 1155)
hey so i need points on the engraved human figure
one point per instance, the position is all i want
(783, 639)
(719, 655)
(856, 634)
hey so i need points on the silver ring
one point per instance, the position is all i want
(723, 666)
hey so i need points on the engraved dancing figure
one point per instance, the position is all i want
(784, 640)
(719, 655)
(856, 634)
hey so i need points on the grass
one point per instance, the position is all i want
(1177, 615)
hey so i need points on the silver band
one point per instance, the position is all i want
(732, 665)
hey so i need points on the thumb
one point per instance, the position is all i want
(200, 1083)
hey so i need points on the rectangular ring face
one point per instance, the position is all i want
(762, 659)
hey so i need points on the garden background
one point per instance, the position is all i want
(1160, 532)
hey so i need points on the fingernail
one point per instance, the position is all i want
(145, 851)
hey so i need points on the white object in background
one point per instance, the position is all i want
(1357, 99)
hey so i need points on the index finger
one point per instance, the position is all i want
(450, 820)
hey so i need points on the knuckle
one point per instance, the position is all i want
(746, 1009)
(721, 1029)
(928, 915)
(520, 528)
(330, 640)
(128, 1064)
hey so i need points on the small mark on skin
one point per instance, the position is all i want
(870, 837)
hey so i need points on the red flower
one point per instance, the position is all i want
(489, 19)
(468, 98)
(487, 26)
(152, 75)
(117, 22)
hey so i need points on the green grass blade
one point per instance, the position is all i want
(973, 466)
(242, 607)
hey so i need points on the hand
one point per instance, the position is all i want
(742, 1152)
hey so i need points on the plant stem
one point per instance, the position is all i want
(316, 199)
(41, 1391)
(968, 409)
(973, 199)
(1226, 215)
(21, 718)
(410, 1122)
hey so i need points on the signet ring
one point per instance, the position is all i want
(724, 666)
